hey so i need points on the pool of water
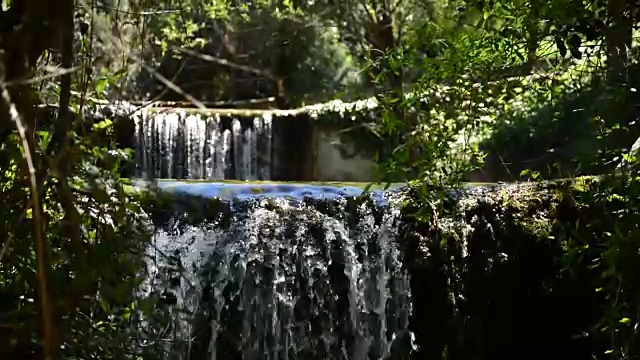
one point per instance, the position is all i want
(231, 189)
(265, 189)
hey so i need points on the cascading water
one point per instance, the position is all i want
(178, 145)
(279, 278)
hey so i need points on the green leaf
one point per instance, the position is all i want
(45, 136)
(562, 48)
(104, 124)
(118, 74)
(101, 86)
(625, 321)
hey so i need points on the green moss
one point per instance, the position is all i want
(561, 257)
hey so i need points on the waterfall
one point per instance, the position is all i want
(276, 278)
(179, 145)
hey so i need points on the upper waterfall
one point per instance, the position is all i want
(241, 144)
(178, 145)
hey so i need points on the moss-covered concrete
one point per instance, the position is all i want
(526, 271)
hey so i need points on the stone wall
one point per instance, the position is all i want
(336, 159)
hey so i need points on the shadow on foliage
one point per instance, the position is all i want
(524, 271)
(558, 140)
(577, 132)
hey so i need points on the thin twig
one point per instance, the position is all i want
(54, 73)
(224, 62)
(171, 85)
(23, 214)
(48, 59)
(41, 243)
(142, 13)
(87, 64)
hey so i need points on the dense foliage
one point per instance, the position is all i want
(74, 235)
(538, 89)
(552, 265)
(577, 116)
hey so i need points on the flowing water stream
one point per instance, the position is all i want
(270, 271)
(178, 145)
(318, 276)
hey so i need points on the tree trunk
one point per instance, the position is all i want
(533, 35)
(618, 44)
(382, 39)
(31, 27)
(618, 41)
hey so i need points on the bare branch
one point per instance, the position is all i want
(171, 85)
(224, 62)
(104, 6)
(54, 73)
(396, 6)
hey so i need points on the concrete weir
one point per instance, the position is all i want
(307, 144)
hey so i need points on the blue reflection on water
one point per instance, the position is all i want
(275, 190)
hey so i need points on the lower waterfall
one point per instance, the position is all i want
(314, 277)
